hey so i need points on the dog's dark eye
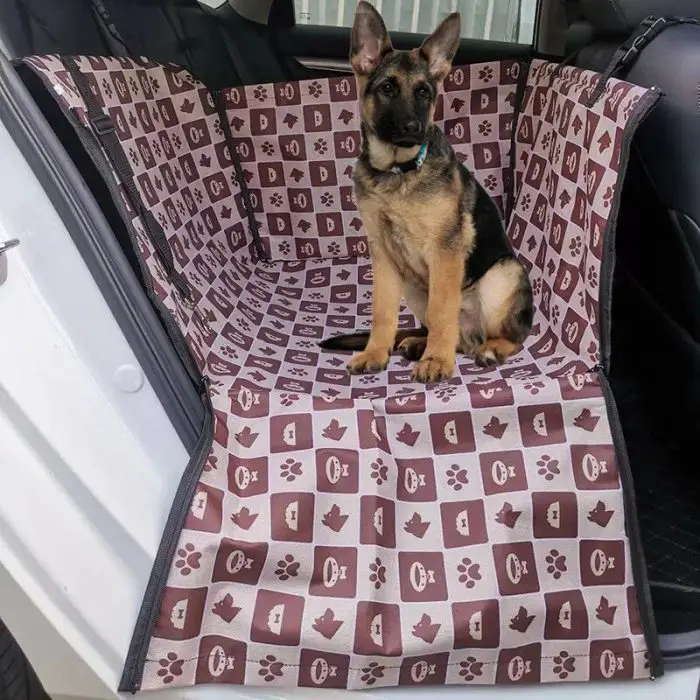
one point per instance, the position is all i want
(422, 92)
(386, 88)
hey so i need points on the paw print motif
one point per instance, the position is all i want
(287, 568)
(107, 87)
(305, 344)
(297, 372)
(592, 276)
(288, 399)
(198, 195)
(244, 324)
(564, 664)
(163, 220)
(334, 248)
(527, 201)
(546, 140)
(534, 388)
(557, 154)
(471, 669)
(377, 574)
(457, 477)
(217, 127)
(491, 182)
(157, 150)
(486, 74)
(367, 295)
(320, 146)
(276, 200)
(134, 156)
(290, 470)
(380, 472)
(485, 128)
(260, 93)
(284, 248)
(170, 667)
(133, 84)
(230, 352)
(369, 379)
(548, 467)
(607, 197)
(177, 142)
(181, 207)
(187, 559)
(270, 668)
(446, 392)
(469, 573)
(556, 314)
(155, 85)
(372, 673)
(268, 148)
(556, 564)
(315, 89)
(593, 351)
(327, 199)
(575, 245)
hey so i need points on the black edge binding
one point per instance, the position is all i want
(639, 568)
(135, 663)
(99, 249)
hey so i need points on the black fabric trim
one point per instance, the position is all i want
(240, 174)
(135, 660)
(135, 663)
(103, 128)
(607, 266)
(510, 195)
(639, 567)
(95, 152)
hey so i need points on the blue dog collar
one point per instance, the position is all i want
(414, 164)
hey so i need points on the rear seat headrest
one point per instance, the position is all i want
(624, 16)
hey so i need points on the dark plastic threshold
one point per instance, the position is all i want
(677, 610)
(97, 244)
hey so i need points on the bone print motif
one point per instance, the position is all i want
(332, 503)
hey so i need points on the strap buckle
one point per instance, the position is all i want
(102, 124)
(653, 26)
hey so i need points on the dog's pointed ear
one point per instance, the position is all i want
(369, 40)
(441, 46)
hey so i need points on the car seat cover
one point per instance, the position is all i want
(360, 532)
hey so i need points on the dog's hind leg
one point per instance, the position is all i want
(505, 299)
(413, 346)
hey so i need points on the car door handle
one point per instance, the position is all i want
(4, 247)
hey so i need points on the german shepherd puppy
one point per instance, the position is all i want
(435, 236)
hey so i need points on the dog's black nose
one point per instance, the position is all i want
(410, 128)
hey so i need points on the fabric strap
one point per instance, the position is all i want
(627, 54)
(104, 131)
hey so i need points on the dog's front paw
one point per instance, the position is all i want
(433, 369)
(368, 361)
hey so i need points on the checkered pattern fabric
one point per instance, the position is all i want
(359, 532)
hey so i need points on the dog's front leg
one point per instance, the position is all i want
(386, 300)
(446, 271)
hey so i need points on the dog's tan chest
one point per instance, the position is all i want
(406, 234)
(413, 225)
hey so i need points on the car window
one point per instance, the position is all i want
(497, 20)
